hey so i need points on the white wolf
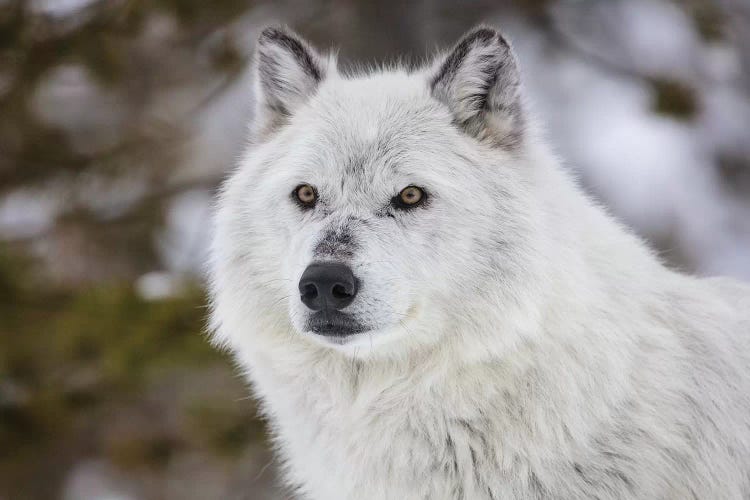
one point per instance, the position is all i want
(428, 306)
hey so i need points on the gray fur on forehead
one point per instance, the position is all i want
(394, 119)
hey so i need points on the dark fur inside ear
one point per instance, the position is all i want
(480, 83)
(289, 71)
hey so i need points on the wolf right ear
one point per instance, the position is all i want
(289, 71)
(480, 83)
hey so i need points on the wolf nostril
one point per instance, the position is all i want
(340, 292)
(310, 291)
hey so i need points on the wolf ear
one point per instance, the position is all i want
(479, 81)
(289, 71)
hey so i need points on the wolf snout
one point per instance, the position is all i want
(327, 286)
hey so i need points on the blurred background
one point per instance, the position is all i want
(119, 118)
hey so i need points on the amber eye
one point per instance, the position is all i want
(410, 196)
(306, 195)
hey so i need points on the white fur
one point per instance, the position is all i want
(522, 343)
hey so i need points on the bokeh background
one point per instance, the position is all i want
(119, 118)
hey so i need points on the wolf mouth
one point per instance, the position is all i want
(334, 324)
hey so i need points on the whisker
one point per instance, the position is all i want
(275, 280)
(280, 300)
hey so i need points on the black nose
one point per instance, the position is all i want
(327, 286)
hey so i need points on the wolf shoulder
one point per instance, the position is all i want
(735, 293)
(712, 311)
(710, 319)
(723, 304)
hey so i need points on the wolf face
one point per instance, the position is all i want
(371, 208)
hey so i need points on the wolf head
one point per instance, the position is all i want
(379, 211)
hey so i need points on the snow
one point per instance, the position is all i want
(59, 8)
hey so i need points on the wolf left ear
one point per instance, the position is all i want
(479, 81)
(289, 71)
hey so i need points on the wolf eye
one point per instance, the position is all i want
(409, 197)
(305, 195)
